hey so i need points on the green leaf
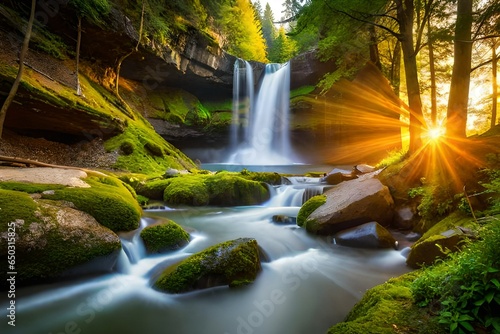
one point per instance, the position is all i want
(496, 282)
(489, 296)
(467, 326)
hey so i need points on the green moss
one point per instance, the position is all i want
(232, 263)
(303, 90)
(452, 221)
(228, 189)
(108, 200)
(30, 188)
(16, 205)
(164, 236)
(267, 177)
(222, 189)
(388, 308)
(187, 190)
(152, 189)
(308, 207)
(151, 155)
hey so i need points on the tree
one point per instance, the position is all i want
(460, 80)
(22, 56)
(268, 29)
(283, 48)
(125, 56)
(243, 31)
(494, 83)
(93, 11)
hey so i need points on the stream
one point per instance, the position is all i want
(307, 283)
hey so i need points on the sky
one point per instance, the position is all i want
(276, 7)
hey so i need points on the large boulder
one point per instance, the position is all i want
(234, 263)
(350, 204)
(369, 235)
(52, 239)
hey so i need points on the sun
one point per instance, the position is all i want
(435, 133)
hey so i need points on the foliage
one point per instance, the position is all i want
(94, 11)
(108, 201)
(308, 207)
(283, 48)
(244, 35)
(233, 263)
(493, 188)
(435, 200)
(393, 157)
(164, 236)
(466, 287)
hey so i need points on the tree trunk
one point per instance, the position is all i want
(494, 95)
(460, 79)
(78, 43)
(432, 69)
(374, 53)
(22, 55)
(122, 58)
(396, 68)
(405, 14)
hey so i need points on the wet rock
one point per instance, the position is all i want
(369, 235)
(404, 218)
(350, 204)
(363, 169)
(234, 263)
(282, 219)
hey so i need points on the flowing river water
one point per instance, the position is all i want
(306, 285)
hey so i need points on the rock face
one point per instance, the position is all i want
(54, 241)
(369, 235)
(350, 204)
(234, 263)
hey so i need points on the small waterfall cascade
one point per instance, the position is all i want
(260, 127)
(297, 191)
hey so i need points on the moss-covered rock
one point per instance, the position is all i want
(222, 189)
(52, 239)
(152, 189)
(228, 189)
(234, 263)
(443, 238)
(108, 200)
(389, 308)
(163, 236)
(187, 190)
(308, 207)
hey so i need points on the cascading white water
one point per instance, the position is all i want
(260, 128)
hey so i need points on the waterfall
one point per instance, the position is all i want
(243, 95)
(260, 127)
